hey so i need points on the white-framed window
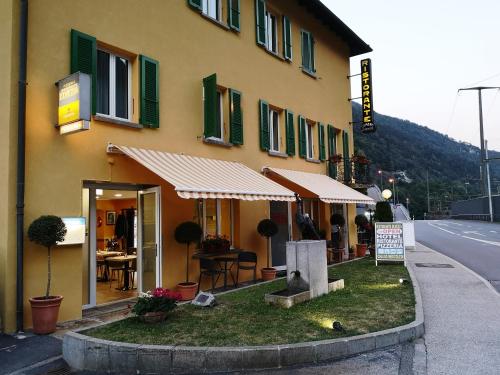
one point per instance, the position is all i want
(216, 217)
(271, 32)
(114, 83)
(309, 140)
(212, 9)
(274, 130)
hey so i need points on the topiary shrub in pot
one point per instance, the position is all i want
(337, 221)
(383, 212)
(268, 228)
(361, 222)
(187, 233)
(46, 231)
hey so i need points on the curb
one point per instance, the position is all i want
(87, 353)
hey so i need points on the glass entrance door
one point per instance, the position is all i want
(149, 226)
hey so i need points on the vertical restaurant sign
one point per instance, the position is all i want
(367, 124)
(389, 242)
(74, 103)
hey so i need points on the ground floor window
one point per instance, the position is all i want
(215, 216)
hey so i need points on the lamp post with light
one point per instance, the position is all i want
(381, 179)
(392, 181)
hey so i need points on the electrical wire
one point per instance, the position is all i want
(452, 113)
(483, 80)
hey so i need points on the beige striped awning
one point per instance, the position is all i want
(325, 188)
(196, 177)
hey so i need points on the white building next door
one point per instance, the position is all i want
(149, 239)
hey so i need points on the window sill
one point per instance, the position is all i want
(218, 142)
(277, 154)
(309, 73)
(315, 161)
(275, 54)
(117, 121)
(216, 22)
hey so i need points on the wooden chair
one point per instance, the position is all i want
(132, 270)
(101, 268)
(247, 260)
(118, 268)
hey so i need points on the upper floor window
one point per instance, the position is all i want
(113, 85)
(212, 8)
(271, 32)
(274, 125)
(308, 62)
(218, 111)
(220, 10)
(309, 140)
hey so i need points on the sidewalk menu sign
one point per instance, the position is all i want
(389, 242)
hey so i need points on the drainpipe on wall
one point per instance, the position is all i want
(21, 144)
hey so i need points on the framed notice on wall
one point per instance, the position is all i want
(389, 242)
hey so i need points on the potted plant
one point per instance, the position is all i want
(215, 244)
(46, 231)
(383, 212)
(186, 233)
(361, 221)
(153, 307)
(351, 252)
(337, 221)
(267, 228)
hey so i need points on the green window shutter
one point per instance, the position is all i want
(210, 106)
(149, 112)
(321, 142)
(84, 59)
(332, 147)
(347, 169)
(233, 14)
(195, 4)
(264, 125)
(260, 21)
(290, 133)
(287, 38)
(302, 137)
(235, 118)
(305, 49)
(312, 43)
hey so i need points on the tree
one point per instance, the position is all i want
(186, 233)
(383, 212)
(267, 228)
(47, 231)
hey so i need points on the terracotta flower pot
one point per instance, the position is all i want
(268, 273)
(44, 312)
(361, 249)
(154, 317)
(187, 290)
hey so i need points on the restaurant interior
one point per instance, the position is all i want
(116, 236)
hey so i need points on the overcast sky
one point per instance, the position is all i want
(424, 51)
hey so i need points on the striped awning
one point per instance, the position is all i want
(325, 188)
(196, 177)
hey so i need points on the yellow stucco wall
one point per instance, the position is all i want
(8, 124)
(189, 48)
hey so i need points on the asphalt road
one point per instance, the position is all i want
(474, 244)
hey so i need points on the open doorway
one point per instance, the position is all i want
(122, 253)
(116, 245)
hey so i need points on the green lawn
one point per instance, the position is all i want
(372, 300)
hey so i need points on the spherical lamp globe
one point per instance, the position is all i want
(386, 194)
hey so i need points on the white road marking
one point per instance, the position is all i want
(483, 241)
(473, 232)
(444, 230)
(493, 231)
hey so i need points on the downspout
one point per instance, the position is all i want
(21, 144)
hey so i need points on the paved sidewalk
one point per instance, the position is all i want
(462, 316)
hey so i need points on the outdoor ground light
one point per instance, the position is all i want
(386, 194)
(403, 281)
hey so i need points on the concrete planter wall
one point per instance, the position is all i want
(88, 353)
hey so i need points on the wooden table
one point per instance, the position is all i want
(125, 259)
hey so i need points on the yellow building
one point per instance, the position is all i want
(262, 83)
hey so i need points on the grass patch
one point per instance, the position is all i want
(372, 300)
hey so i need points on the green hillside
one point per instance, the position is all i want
(408, 150)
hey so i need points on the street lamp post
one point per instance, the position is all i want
(391, 180)
(408, 205)
(381, 180)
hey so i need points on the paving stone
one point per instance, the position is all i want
(188, 359)
(260, 358)
(154, 359)
(331, 350)
(96, 354)
(386, 339)
(123, 357)
(362, 344)
(291, 355)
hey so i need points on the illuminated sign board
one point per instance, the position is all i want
(367, 124)
(389, 242)
(74, 103)
(76, 229)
